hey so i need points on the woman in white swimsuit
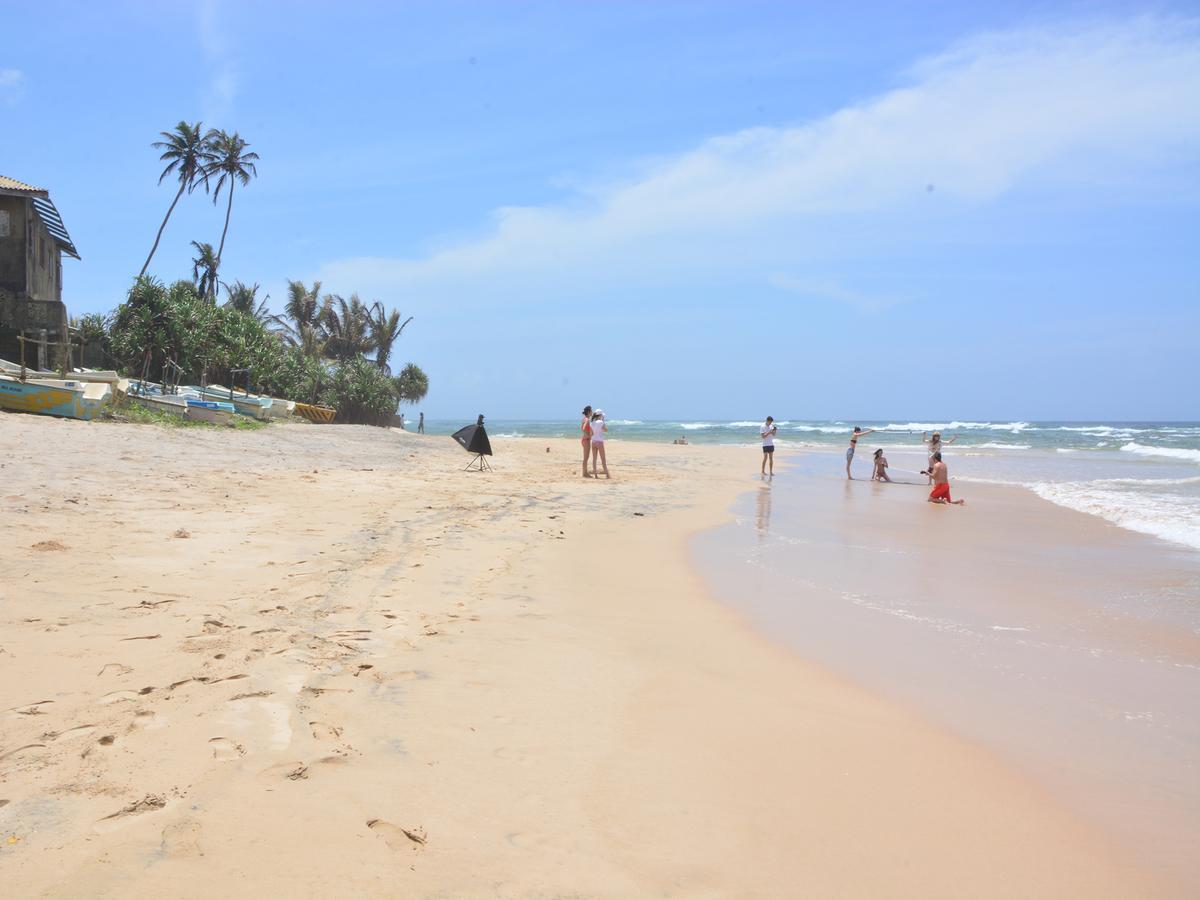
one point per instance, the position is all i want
(598, 431)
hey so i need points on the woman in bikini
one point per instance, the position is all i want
(935, 447)
(586, 427)
(881, 464)
(858, 432)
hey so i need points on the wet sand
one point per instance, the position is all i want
(1066, 644)
(312, 661)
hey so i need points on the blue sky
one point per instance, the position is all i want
(945, 210)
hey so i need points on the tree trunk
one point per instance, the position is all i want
(224, 231)
(158, 236)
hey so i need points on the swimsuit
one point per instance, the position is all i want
(940, 492)
(586, 428)
(850, 449)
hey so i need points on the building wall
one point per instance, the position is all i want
(13, 213)
(43, 262)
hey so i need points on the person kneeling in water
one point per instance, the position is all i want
(881, 464)
(941, 482)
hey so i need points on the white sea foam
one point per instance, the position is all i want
(823, 429)
(1168, 452)
(992, 445)
(1168, 516)
(623, 421)
(1013, 427)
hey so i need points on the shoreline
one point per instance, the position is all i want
(549, 712)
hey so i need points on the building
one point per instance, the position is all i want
(33, 240)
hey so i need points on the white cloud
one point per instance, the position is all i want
(11, 83)
(1085, 103)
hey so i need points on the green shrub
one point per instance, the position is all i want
(361, 392)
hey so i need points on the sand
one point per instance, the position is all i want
(324, 661)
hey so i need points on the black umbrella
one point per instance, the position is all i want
(474, 439)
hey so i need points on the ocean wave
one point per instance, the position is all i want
(623, 421)
(1168, 516)
(992, 445)
(1013, 427)
(1167, 452)
(823, 429)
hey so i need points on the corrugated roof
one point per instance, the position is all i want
(54, 224)
(20, 187)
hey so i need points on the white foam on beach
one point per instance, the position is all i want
(1168, 516)
(1167, 452)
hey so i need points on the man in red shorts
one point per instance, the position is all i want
(941, 483)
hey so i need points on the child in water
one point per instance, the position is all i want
(881, 464)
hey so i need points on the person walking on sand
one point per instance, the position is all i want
(935, 447)
(767, 433)
(421, 424)
(599, 429)
(940, 476)
(858, 432)
(586, 428)
(881, 464)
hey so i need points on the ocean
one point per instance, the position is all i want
(1142, 476)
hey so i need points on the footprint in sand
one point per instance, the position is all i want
(295, 770)
(323, 732)
(118, 669)
(32, 709)
(27, 750)
(224, 748)
(149, 803)
(117, 697)
(181, 840)
(398, 838)
(143, 719)
(76, 732)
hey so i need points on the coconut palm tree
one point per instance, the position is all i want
(300, 324)
(227, 159)
(386, 328)
(244, 298)
(204, 271)
(346, 324)
(184, 150)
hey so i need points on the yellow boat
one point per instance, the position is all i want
(322, 415)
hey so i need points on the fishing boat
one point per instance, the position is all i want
(160, 403)
(201, 411)
(247, 404)
(65, 398)
(322, 415)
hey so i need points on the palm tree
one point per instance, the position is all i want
(245, 299)
(204, 271)
(228, 159)
(385, 328)
(347, 327)
(184, 150)
(300, 324)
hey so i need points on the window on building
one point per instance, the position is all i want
(5, 224)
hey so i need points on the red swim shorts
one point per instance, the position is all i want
(940, 492)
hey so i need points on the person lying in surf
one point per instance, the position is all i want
(881, 464)
(941, 483)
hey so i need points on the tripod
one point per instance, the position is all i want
(479, 464)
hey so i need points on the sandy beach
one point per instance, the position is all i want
(324, 661)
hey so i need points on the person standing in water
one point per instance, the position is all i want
(767, 433)
(881, 464)
(421, 424)
(935, 447)
(599, 428)
(858, 432)
(940, 476)
(586, 427)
